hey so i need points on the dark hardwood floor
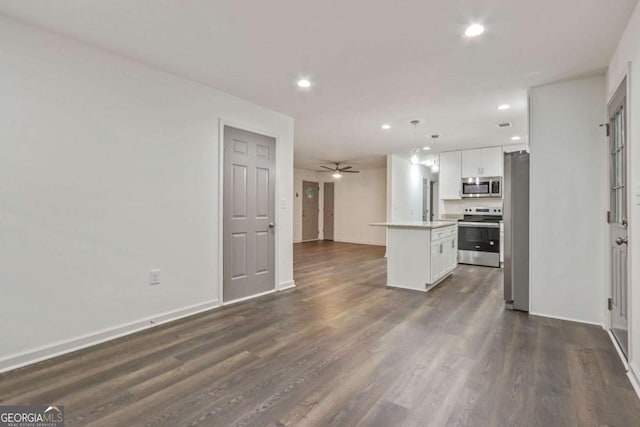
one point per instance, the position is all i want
(341, 349)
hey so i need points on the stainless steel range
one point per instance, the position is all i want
(479, 237)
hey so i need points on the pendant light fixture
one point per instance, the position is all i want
(414, 152)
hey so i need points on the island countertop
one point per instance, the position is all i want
(415, 224)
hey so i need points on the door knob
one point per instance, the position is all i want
(272, 224)
(621, 241)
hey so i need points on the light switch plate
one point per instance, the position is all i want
(283, 203)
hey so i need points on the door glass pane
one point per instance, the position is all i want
(617, 146)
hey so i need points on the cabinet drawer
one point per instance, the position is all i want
(442, 233)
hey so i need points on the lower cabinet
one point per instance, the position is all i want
(437, 263)
(420, 257)
(444, 255)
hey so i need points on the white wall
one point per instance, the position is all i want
(108, 170)
(568, 199)
(359, 199)
(405, 182)
(628, 51)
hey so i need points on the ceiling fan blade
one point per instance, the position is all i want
(325, 167)
(346, 167)
(350, 171)
(326, 171)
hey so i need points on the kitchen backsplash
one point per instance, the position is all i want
(456, 207)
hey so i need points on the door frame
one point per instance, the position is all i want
(324, 213)
(608, 322)
(320, 216)
(222, 122)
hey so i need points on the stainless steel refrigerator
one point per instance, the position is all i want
(516, 230)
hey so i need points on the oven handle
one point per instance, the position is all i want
(479, 224)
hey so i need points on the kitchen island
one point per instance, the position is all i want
(420, 254)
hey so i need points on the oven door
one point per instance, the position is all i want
(479, 236)
(474, 187)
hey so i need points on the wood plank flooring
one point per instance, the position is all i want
(342, 350)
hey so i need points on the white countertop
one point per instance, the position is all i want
(416, 224)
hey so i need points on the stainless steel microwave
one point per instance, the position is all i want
(482, 187)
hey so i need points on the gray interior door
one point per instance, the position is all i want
(618, 217)
(310, 210)
(328, 211)
(249, 214)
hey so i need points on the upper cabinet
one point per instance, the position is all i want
(484, 162)
(450, 173)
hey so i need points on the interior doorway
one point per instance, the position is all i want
(248, 225)
(425, 200)
(618, 222)
(433, 200)
(310, 210)
(327, 217)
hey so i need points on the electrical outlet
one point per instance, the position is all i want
(154, 277)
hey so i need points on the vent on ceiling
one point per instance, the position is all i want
(504, 124)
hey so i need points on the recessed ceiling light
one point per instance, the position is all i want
(426, 148)
(474, 30)
(515, 138)
(504, 107)
(386, 126)
(304, 83)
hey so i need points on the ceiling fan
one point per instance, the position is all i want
(338, 171)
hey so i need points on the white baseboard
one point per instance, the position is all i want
(281, 287)
(634, 377)
(569, 319)
(356, 242)
(286, 285)
(261, 294)
(50, 351)
(67, 346)
(621, 355)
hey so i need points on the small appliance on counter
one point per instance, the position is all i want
(516, 230)
(479, 236)
(481, 187)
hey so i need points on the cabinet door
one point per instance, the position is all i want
(436, 261)
(452, 246)
(472, 163)
(492, 161)
(450, 176)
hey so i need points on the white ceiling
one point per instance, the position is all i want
(371, 61)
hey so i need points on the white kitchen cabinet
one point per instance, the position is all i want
(483, 162)
(444, 253)
(450, 175)
(420, 254)
(437, 263)
(452, 246)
